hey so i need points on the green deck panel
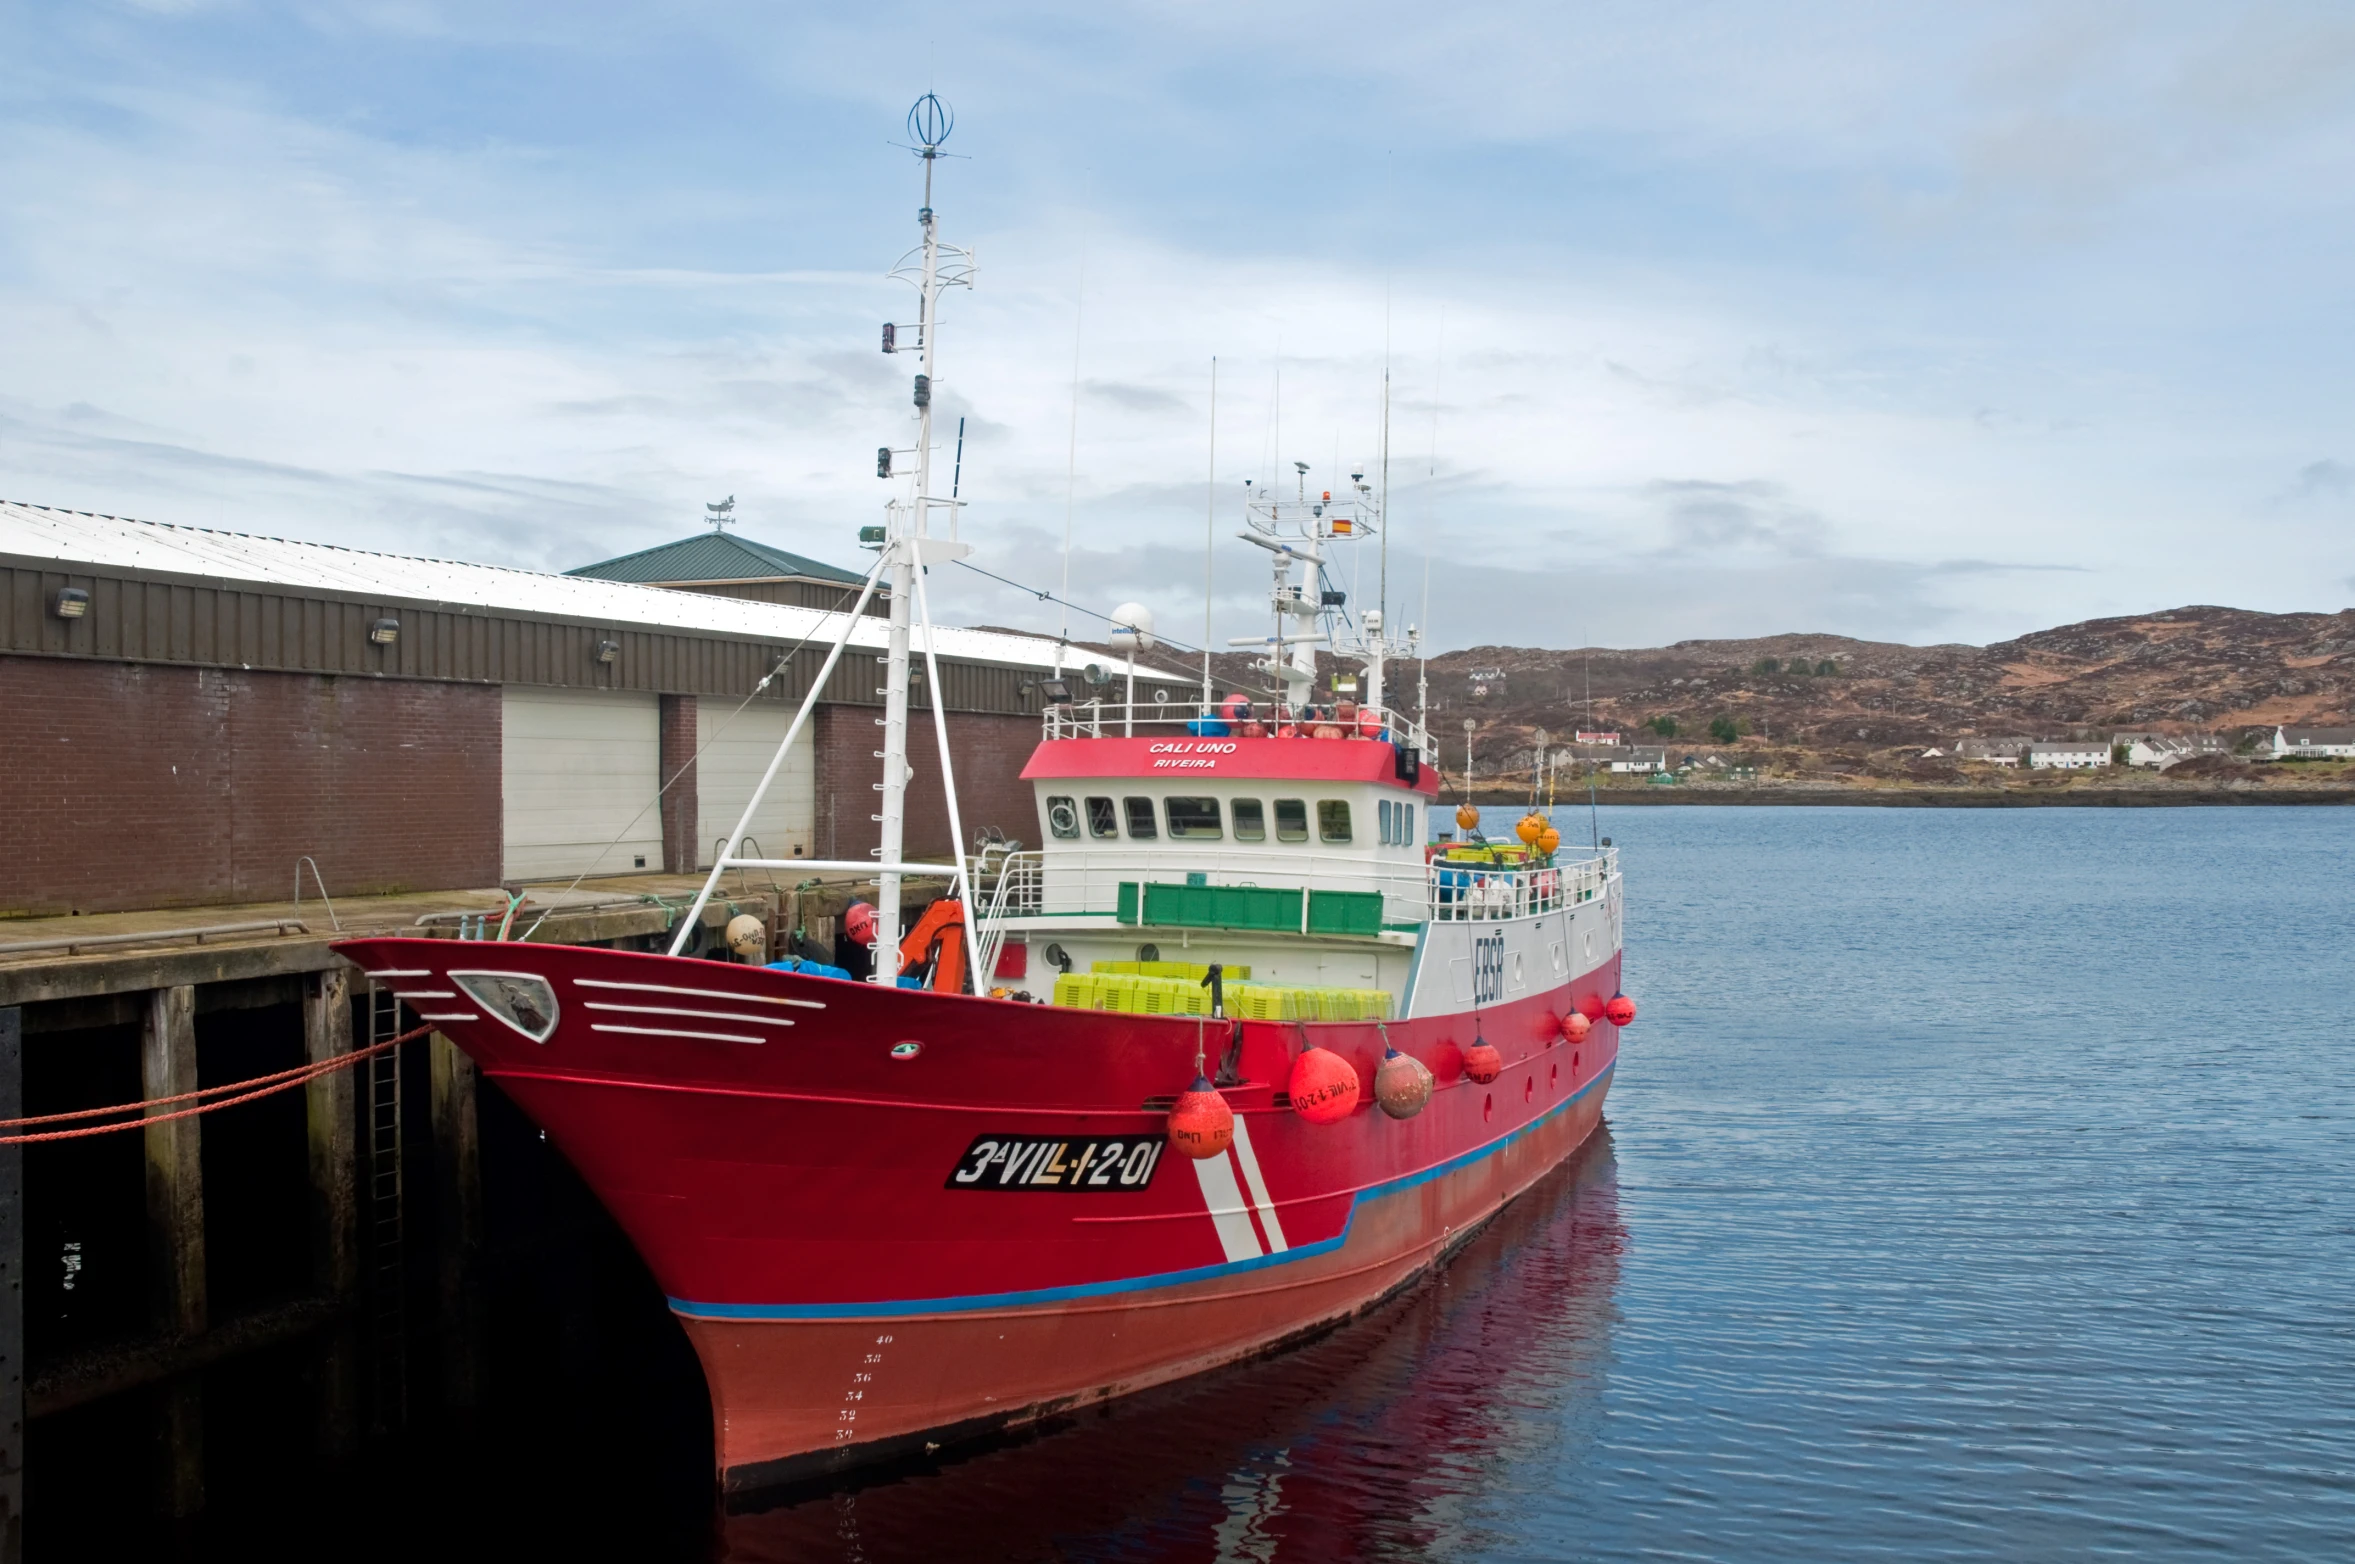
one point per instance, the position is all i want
(1345, 912)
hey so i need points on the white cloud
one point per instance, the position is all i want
(1689, 335)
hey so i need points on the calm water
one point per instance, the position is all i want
(1977, 1183)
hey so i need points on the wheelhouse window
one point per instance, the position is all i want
(1102, 820)
(1250, 820)
(1383, 810)
(1140, 819)
(1406, 826)
(1063, 819)
(1291, 820)
(1194, 818)
(1332, 820)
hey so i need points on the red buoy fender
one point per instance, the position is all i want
(1402, 1085)
(1621, 1010)
(1323, 1087)
(1200, 1123)
(1575, 1027)
(1483, 1063)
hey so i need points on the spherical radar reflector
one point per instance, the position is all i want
(930, 121)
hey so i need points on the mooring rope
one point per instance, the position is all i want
(256, 1086)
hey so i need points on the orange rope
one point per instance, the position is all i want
(257, 1086)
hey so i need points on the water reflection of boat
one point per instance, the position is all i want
(1376, 1441)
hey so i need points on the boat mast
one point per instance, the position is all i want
(908, 543)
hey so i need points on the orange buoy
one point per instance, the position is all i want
(1200, 1123)
(1575, 1027)
(1548, 839)
(1483, 1063)
(1466, 816)
(1532, 826)
(1327, 730)
(1621, 1010)
(1402, 1085)
(1369, 721)
(1323, 1087)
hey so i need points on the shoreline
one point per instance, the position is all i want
(1938, 798)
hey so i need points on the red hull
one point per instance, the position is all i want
(791, 1178)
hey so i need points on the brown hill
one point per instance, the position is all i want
(2186, 669)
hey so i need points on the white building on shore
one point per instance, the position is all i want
(2068, 755)
(2313, 743)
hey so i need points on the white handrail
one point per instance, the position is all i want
(1095, 719)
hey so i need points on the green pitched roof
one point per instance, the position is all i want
(714, 556)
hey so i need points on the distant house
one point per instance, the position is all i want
(1994, 752)
(2071, 755)
(2158, 751)
(1601, 736)
(2313, 743)
(1933, 753)
(1642, 757)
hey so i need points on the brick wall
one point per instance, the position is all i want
(680, 817)
(131, 785)
(989, 751)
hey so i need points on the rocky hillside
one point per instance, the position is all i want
(2186, 669)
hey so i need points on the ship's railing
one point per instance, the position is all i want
(1263, 719)
(1463, 891)
(1088, 880)
(1018, 891)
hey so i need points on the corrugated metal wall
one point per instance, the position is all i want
(230, 626)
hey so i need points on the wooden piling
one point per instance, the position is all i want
(335, 1245)
(12, 1294)
(457, 1144)
(175, 1229)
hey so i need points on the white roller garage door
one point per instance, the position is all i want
(579, 767)
(733, 751)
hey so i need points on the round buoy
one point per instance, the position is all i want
(1575, 1027)
(1483, 1063)
(1548, 839)
(1621, 1010)
(1402, 1085)
(1323, 1087)
(858, 921)
(1530, 828)
(1200, 1123)
(747, 937)
(1466, 817)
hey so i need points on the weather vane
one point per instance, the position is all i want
(720, 513)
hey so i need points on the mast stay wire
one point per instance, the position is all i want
(766, 679)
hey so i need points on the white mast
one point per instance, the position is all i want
(908, 543)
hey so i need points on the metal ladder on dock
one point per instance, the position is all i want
(388, 1332)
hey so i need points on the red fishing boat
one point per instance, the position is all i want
(1244, 1047)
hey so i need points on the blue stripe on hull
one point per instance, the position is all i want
(1035, 1297)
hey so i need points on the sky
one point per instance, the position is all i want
(1909, 322)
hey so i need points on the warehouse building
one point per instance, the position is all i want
(189, 712)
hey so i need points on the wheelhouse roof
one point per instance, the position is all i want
(1224, 760)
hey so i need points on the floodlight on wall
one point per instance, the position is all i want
(607, 651)
(70, 603)
(385, 631)
(1055, 689)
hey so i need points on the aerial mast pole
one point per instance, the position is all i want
(908, 543)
